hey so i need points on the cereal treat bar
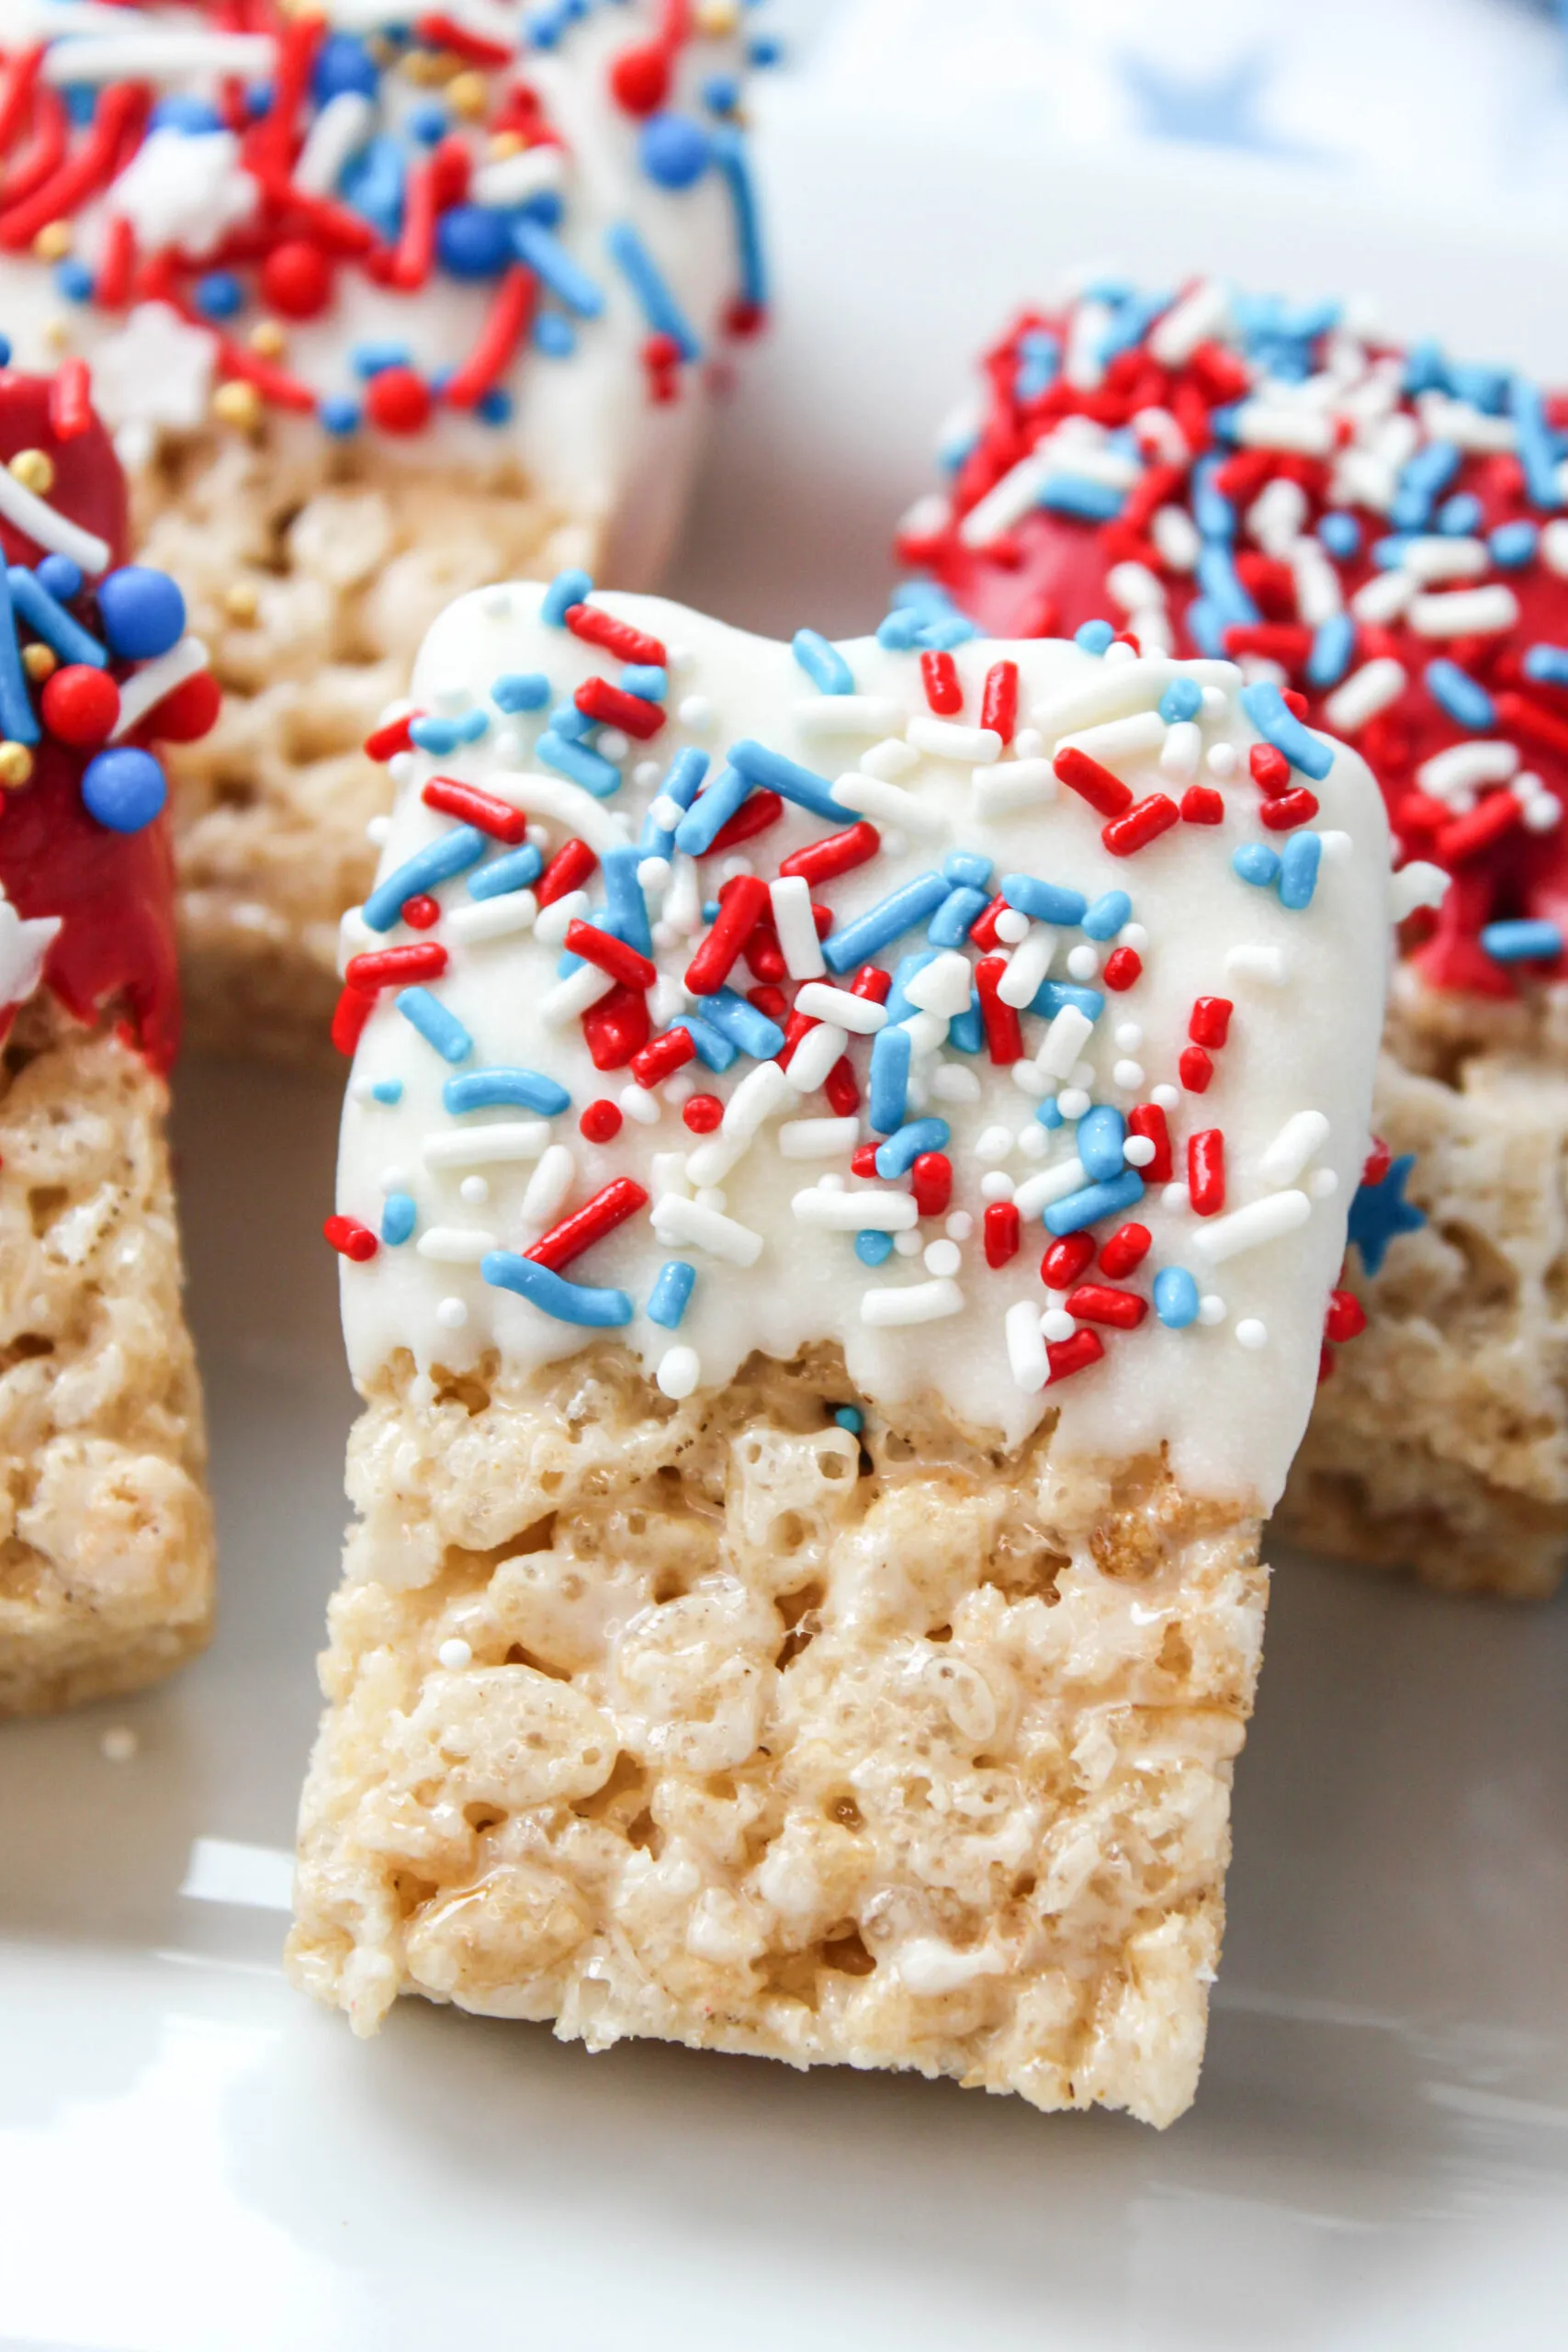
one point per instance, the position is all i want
(1383, 532)
(106, 1545)
(381, 302)
(838, 1200)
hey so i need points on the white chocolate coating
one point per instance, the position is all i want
(1307, 987)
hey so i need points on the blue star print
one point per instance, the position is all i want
(1216, 111)
(1381, 1212)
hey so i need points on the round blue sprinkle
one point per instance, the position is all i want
(495, 407)
(73, 280)
(1459, 515)
(1176, 1297)
(219, 294)
(554, 335)
(124, 789)
(81, 102)
(673, 150)
(4, 351)
(547, 208)
(874, 1249)
(187, 114)
(338, 414)
(258, 100)
(851, 1417)
(721, 93)
(471, 241)
(142, 612)
(1341, 534)
(60, 577)
(343, 64)
(1183, 698)
(763, 52)
(1513, 545)
(1094, 637)
(427, 121)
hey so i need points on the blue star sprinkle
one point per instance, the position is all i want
(1381, 1212)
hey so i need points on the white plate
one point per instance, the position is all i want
(192, 2157)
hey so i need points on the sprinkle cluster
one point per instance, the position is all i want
(1383, 531)
(417, 153)
(724, 977)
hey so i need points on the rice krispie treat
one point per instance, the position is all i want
(105, 1570)
(381, 302)
(1385, 532)
(835, 1271)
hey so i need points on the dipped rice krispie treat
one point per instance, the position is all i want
(105, 1574)
(839, 1191)
(1385, 532)
(381, 303)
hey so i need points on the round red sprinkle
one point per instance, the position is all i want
(640, 78)
(702, 1113)
(190, 712)
(80, 704)
(296, 279)
(398, 400)
(601, 1122)
(421, 912)
(1346, 1318)
(1122, 966)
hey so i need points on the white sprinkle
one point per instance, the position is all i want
(869, 1211)
(33, 517)
(674, 1219)
(342, 128)
(1322, 1183)
(1027, 967)
(818, 1139)
(1253, 961)
(1175, 536)
(1134, 586)
(1012, 926)
(1028, 743)
(1069, 1031)
(1217, 1238)
(1016, 784)
(1303, 1135)
(548, 1186)
(1034, 1141)
(709, 1162)
(891, 759)
(1466, 612)
(451, 1314)
(487, 919)
(683, 908)
(679, 1370)
(1031, 1079)
(553, 921)
(639, 1105)
(1212, 1310)
(146, 687)
(954, 1082)
(653, 876)
(474, 1191)
(791, 898)
(455, 1245)
(1129, 1036)
(1434, 559)
(948, 739)
(1277, 515)
(1267, 425)
(1073, 1101)
(696, 712)
(872, 715)
(1166, 1098)
(819, 1000)
(1037, 1193)
(511, 180)
(572, 996)
(764, 1090)
(943, 1258)
(1006, 502)
(995, 1185)
(1196, 318)
(1338, 849)
(118, 1744)
(377, 832)
(1138, 1150)
(1222, 760)
(455, 1653)
(1132, 935)
(1182, 749)
(908, 1245)
(1176, 1198)
(941, 988)
(1027, 1360)
(859, 795)
(508, 1139)
(959, 1225)
(1555, 546)
(1464, 766)
(1251, 1334)
(919, 1302)
(1119, 739)
(394, 1179)
(601, 827)
(666, 814)
(993, 1144)
(733, 867)
(1083, 962)
(1129, 1075)
(816, 1055)
(1382, 598)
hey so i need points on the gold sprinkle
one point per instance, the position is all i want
(54, 240)
(241, 601)
(57, 332)
(15, 766)
(34, 470)
(39, 662)
(715, 17)
(504, 144)
(237, 403)
(468, 95)
(268, 339)
(422, 67)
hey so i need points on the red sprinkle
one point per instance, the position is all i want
(1004, 1232)
(1127, 1247)
(931, 1180)
(1148, 1120)
(1004, 1031)
(354, 1009)
(1195, 1069)
(1067, 1356)
(609, 953)
(570, 866)
(1211, 1021)
(842, 1088)
(617, 1027)
(863, 1163)
(836, 853)
(472, 807)
(296, 279)
(505, 327)
(741, 906)
(1346, 1318)
(601, 1122)
(1291, 809)
(351, 1240)
(983, 929)
(398, 400)
(385, 742)
(70, 399)
(999, 704)
(1486, 823)
(1124, 966)
(872, 982)
(80, 704)
(663, 1057)
(596, 698)
(1206, 1171)
(1104, 792)
(421, 912)
(1124, 836)
(608, 1208)
(619, 638)
(1098, 1303)
(939, 675)
(386, 968)
(755, 814)
(1066, 1259)
(702, 1114)
(1270, 768)
(1201, 805)
(1379, 1160)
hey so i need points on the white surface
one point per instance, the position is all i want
(191, 2157)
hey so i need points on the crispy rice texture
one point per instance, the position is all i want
(105, 1539)
(314, 582)
(907, 1753)
(1440, 1443)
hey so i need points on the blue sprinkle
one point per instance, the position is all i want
(520, 690)
(721, 93)
(624, 899)
(141, 611)
(472, 242)
(1052, 996)
(897, 633)
(873, 1248)
(729, 153)
(1049, 1112)
(1091, 501)
(1094, 637)
(571, 724)
(1426, 368)
(564, 1302)
(439, 860)
(851, 1417)
(1221, 585)
(891, 1051)
(650, 681)
(1101, 1132)
(523, 1089)
(1522, 942)
(1176, 1297)
(124, 788)
(554, 335)
(1206, 627)
(568, 588)
(902, 1149)
(741, 1022)
(673, 150)
(1265, 705)
(60, 577)
(17, 720)
(853, 943)
(339, 416)
(1107, 915)
(1039, 358)
(435, 1024)
(1333, 647)
(341, 64)
(1537, 446)
(710, 909)
(515, 871)
(899, 1007)
(823, 664)
(595, 775)
(1044, 901)
(714, 1050)
(1389, 554)
(1257, 862)
(1341, 535)
(1299, 863)
(1513, 545)
(1423, 478)
(175, 112)
(1380, 1213)
(374, 358)
(668, 1298)
(952, 923)
(1461, 517)
(1095, 1201)
(427, 121)
(219, 294)
(398, 1219)
(1183, 698)
(802, 785)
(50, 620)
(388, 1090)
(1463, 697)
(1548, 665)
(967, 1030)
(1212, 510)
(941, 636)
(443, 735)
(642, 274)
(967, 866)
(709, 814)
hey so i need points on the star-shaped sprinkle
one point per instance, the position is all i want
(1381, 1212)
(23, 946)
(185, 188)
(156, 370)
